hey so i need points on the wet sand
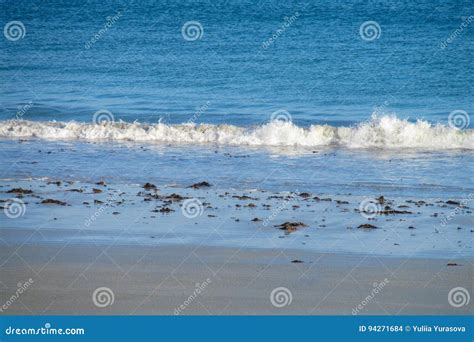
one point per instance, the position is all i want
(145, 244)
(159, 280)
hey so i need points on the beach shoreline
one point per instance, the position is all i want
(174, 250)
(202, 213)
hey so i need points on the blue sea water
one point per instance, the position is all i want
(244, 61)
(251, 58)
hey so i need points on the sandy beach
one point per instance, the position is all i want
(159, 280)
(191, 250)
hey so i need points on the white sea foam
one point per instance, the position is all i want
(384, 132)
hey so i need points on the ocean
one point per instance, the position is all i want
(359, 97)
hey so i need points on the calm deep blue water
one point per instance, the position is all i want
(318, 68)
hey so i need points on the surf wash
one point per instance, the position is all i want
(383, 133)
(437, 328)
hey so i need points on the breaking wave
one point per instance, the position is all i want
(387, 132)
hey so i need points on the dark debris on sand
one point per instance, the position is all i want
(244, 198)
(174, 197)
(53, 201)
(19, 191)
(290, 227)
(389, 211)
(149, 186)
(367, 226)
(164, 210)
(200, 185)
